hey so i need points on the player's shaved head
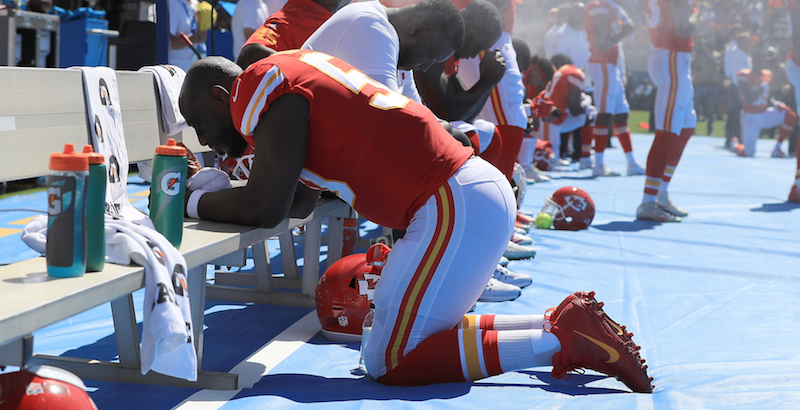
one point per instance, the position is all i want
(208, 72)
(205, 103)
(483, 26)
(443, 16)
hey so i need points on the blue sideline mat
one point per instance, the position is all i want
(711, 300)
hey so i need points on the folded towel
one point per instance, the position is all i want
(167, 335)
(170, 80)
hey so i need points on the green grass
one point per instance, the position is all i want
(643, 117)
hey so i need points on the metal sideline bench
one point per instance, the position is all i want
(44, 108)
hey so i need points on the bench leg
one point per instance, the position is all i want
(126, 332)
(197, 302)
(311, 256)
(17, 352)
(335, 238)
(262, 267)
(288, 255)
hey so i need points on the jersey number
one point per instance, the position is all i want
(652, 12)
(382, 98)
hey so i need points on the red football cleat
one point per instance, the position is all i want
(590, 339)
(794, 194)
(525, 219)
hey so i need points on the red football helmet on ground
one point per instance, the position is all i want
(572, 208)
(543, 157)
(43, 387)
(345, 291)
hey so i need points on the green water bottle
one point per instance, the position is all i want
(65, 251)
(95, 211)
(170, 169)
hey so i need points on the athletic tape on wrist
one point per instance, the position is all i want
(194, 202)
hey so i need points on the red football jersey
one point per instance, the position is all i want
(379, 151)
(595, 9)
(662, 27)
(291, 26)
(565, 78)
(759, 83)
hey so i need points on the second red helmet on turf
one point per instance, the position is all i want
(571, 208)
(345, 291)
(43, 387)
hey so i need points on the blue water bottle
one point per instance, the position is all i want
(66, 212)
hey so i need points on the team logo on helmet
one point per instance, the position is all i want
(366, 286)
(575, 202)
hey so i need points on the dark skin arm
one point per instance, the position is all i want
(273, 191)
(446, 96)
(251, 53)
(685, 18)
(574, 101)
(603, 38)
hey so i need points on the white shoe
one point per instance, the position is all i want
(732, 144)
(521, 231)
(778, 153)
(532, 174)
(503, 261)
(604, 171)
(564, 162)
(504, 275)
(587, 163)
(515, 251)
(521, 239)
(635, 169)
(650, 211)
(667, 205)
(496, 291)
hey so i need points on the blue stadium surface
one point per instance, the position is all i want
(712, 301)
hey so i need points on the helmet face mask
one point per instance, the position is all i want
(520, 183)
(571, 208)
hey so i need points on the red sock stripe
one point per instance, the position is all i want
(668, 172)
(487, 322)
(586, 140)
(422, 277)
(600, 133)
(491, 353)
(624, 140)
(651, 185)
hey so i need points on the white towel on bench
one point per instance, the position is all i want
(104, 115)
(167, 337)
(170, 80)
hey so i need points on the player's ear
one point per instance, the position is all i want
(221, 94)
(419, 29)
